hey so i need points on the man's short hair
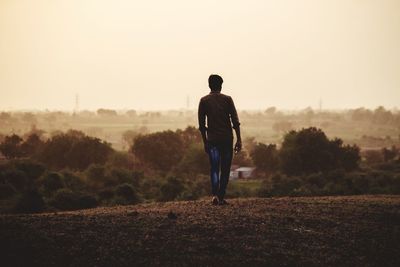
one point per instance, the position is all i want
(215, 82)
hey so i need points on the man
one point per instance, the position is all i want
(217, 136)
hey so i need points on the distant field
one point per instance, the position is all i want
(255, 124)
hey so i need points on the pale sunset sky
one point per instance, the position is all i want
(154, 54)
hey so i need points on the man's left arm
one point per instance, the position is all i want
(202, 125)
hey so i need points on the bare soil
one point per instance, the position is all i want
(287, 231)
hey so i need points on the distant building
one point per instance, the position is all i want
(241, 172)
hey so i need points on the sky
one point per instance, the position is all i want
(157, 55)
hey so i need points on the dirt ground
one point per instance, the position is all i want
(288, 231)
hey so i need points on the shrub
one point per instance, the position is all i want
(52, 182)
(65, 199)
(29, 202)
(162, 150)
(6, 191)
(126, 194)
(97, 177)
(32, 169)
(171, 189)
(106, 194)
(16, 178)
(86, 201)
(73, 181)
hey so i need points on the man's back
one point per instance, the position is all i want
(220, 111)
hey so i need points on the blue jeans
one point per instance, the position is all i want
(220, 155)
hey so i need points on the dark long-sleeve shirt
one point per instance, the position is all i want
(221, 116)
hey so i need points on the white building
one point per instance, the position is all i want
(242, 172)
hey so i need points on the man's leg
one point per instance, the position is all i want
(226, 160)
(214, 156)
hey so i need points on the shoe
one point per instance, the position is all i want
(222, 202)
(215, 201)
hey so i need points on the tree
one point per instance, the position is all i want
(11, 146)
(194, 161)
(270, 111)
(309, 150)
(74, 150)
(265, 157)
(106, 112)
(52, 182)
(191, 135)
(31, 145)
(131, 113)
(162, 150)
(390, 154)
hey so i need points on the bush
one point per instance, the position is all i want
(97, 177)
(86, 202)
(171, 189)
(65, 199)
(126, 194)
(51, 182)
(6, 191)
(162, 150)
(73, 181)
(106, 194)
(32, 169)
(29, 202)
(309, 150)
(16, 178)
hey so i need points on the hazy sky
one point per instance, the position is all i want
(153, 54)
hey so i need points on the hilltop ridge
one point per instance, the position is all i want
(287, 231)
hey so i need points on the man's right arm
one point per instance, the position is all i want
(236, 126)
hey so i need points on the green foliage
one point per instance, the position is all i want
(11, 146)
(121, 160)
(74, 150)
(32, 169)
(96, 177)
(195, 161)
(65, 199)
(73, 181)
(162, 150)
(171, 189)
(336, 182)
(32, 145)
(29, 202)
(51, 182)
(16, 178)
(191, 135)
(7, 191)
(265, 157)
(99, 177)
(309, 150)
(126, 194)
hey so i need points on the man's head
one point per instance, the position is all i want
(215, 82)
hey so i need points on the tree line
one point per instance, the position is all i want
(72, 170)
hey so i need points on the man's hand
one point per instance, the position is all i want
(206, 147)
(238, 146)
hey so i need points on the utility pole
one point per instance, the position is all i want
(187, 102)
(76, 108)
(320, 104)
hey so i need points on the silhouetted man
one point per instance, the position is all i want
(217, 135)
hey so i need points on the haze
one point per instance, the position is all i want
(157, 54)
